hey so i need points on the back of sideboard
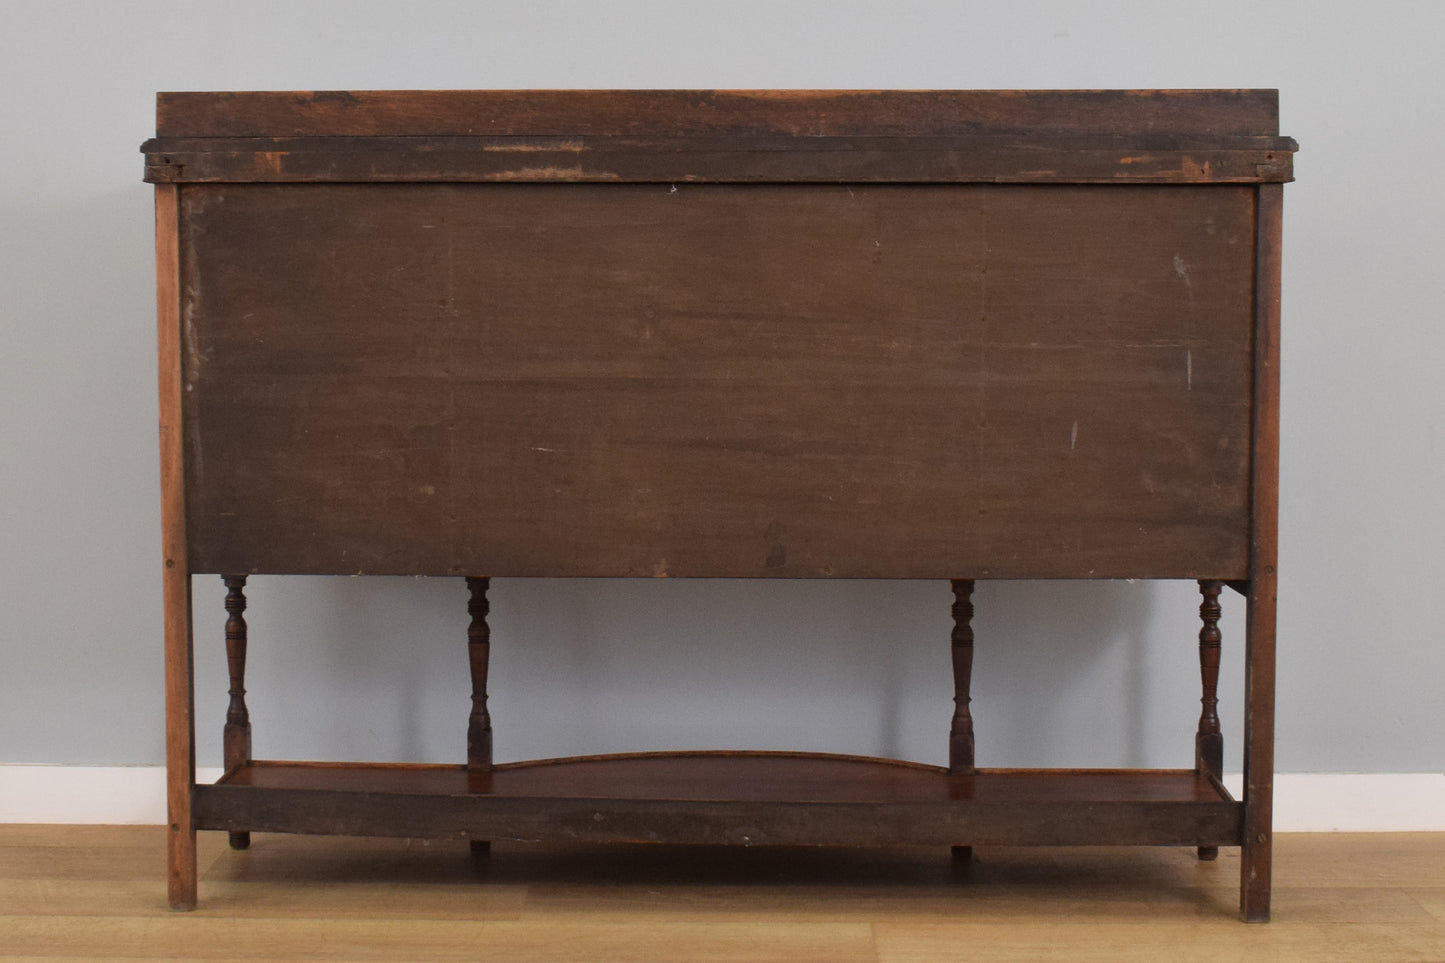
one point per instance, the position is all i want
(716, 365)
(952, 335)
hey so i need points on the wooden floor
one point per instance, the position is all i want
(98, 893)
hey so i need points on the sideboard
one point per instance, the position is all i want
(953, 335)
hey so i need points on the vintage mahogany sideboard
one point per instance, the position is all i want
(950, 335)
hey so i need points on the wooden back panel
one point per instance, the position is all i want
(718, 380)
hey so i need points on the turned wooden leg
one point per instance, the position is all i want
(236, 739)
(960, 734)
(1209, 742)
(479, 724)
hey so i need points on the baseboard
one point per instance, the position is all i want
(1304, 802)
(105, 795)
(1350, 802)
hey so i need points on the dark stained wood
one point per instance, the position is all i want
(720, 137)
(479, 723)
(721, 822)
(811, 113)
(790, 777)
(237, 733)
(747, 798)
(952, 335)
(479, 647)
(1259, 659)
(1209, 740)
(955, 159)
(176, 573)
(722, 381)
(960, 733)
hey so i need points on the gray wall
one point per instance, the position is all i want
(1067, 674)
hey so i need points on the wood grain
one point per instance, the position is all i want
(683, 333)
(1037, 159)
(1261, 605)
(176, 581)
(1218, 136)
(833, 381)
(727, 798)
(749, 776)
(810, 113)
(1355, 897)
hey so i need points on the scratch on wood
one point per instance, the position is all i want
(571, 146)
(551, 174)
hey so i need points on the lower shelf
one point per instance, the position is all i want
(726, 798)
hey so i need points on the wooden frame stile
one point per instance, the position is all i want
(1261, 604)
(176, 577)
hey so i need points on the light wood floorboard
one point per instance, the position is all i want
(98, 893)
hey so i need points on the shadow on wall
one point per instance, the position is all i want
(1065, 673)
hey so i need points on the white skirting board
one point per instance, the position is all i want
(102, 795)
(1304, 802)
